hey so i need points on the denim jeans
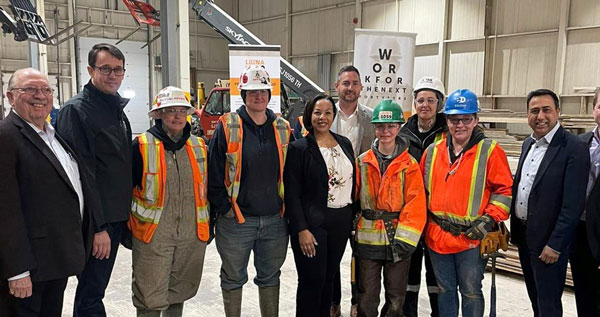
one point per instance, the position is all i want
(266, 236)
(463, 270)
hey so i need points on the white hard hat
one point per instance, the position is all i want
(255, 77)
(431, 83)
(170, 97)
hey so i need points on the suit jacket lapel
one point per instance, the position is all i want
(553, 148)
(313, 147)
(37, 141)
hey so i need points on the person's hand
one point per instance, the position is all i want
(548, 255)
(21, 288)
(101, 248)
(307, 243)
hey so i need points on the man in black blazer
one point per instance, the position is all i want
(44, 228)
(584, 267)
(548, 199)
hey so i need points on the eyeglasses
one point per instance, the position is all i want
(429, 101)
(173, 111)
(464, 120)
(388, 126)
(106, 70)
(257, 92)
(46, 91)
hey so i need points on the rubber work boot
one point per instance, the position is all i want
(269, 301)
(148, 313)
(232, 302)
(174, 310)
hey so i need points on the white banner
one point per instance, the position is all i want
(242, 56)
(386, 63)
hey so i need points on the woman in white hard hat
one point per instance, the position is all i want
(169, 217)
(247, 155)
(426, 126)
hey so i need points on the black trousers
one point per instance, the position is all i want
(411, 301)
(46, 300)
(336, 298)
(586, 275)
(315, 275)
(95, 276)
(545, 282)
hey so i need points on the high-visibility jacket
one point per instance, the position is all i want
(234, 135)
(479, 182)
(400, 191)
(303, 130)
(148, 200)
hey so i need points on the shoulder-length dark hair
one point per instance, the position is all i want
(310, 107)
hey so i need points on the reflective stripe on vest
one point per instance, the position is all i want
(303, 130)
(234, 134)
(148, 201)
(476, 188)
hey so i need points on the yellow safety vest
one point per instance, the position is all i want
(234, 135)
(148, 200)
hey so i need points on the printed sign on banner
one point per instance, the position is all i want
(242, 56)
(386, 63)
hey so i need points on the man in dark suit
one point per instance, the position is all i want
(548, 199)
(44, 223)
(586, 268)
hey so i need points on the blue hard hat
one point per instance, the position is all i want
(462, 101)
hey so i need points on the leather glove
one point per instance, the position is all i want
(480, 227)
(211, 227)
(127, 238)
(402, 249)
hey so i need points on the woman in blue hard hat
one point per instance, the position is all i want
(468, 184)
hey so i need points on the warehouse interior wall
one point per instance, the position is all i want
(501, 49)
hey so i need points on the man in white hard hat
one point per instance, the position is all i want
(423, 128)
(247, 155)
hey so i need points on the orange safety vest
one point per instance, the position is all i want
(400, 190)
(148, 200)
(303, 130)
(234, 135)
(477, 183)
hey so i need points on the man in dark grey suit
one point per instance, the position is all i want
(45, 225)
(548, 199)
(584, 267)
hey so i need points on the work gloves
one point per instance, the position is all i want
(480, 227)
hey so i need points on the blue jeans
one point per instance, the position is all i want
(463, 270)
(266, 235)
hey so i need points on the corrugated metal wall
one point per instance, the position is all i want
(501, 49)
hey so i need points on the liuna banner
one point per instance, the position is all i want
(386, 62)
(242, 56)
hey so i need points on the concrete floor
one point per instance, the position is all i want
(512, 297)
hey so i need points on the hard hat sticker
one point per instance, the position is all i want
(385, 115)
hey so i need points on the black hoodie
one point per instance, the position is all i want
(258, 194)
(476, 136)
(420, 141)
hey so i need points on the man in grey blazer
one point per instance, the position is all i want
(353, 121)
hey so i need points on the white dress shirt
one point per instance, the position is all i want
(348, 126)
(529, 170)
(67, 162)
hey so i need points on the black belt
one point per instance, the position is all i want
(378, 214)
(454, 228)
